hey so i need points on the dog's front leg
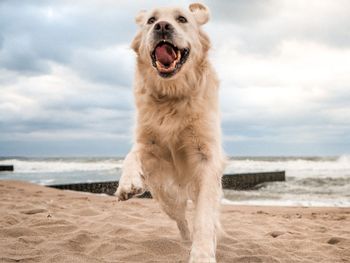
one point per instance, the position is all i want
(206, 221)
(131, 182)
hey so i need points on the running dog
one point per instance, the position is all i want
(177, 152)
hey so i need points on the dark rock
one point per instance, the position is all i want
(4, 168)
(229, 181)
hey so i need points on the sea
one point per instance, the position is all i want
(310, 181)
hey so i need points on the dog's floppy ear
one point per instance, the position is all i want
(200, 12)
(140, 17)
(135, 44)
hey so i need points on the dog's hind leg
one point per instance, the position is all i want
(131, 182)
(158, 176)
(177, 212)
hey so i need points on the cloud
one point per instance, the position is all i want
(261, 26)
(17, 55)
(113, 65)
(37, 33)
(66, 73)
(242, 11)
(296, 95)
(65, 106)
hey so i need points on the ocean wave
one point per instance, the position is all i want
(59, 165)
(310, 181)
(294, 167)
(290, 202)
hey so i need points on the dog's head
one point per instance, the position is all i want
(170, 39)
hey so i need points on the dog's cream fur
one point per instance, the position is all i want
(177, 153)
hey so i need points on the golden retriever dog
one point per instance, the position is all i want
(177, 152)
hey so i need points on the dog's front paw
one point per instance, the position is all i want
(201, 256)
(129, 186)
(194, 259)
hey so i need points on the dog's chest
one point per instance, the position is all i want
(167, 118)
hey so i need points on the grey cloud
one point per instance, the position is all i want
(258, 26)
(85, 121)
(285, 148)
(97, 108)
(76, 147)
(18, 55)
(101, 97)
(38, 124)
(1, 41)
(57, 38)
(114, 68)
(242, 11)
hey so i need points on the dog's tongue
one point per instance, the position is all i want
(165, 54)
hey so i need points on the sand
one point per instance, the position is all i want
(39, 224)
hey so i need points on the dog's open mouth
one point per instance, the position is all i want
(168, 59)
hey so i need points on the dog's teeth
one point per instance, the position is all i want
(178, 56)
(158, 64)
(161, 68)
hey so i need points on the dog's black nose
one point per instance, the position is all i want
(163, 27)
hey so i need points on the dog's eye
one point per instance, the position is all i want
(182, 19)
(151, 20)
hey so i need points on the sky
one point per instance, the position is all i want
(66, 74)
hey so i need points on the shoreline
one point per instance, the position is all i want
(40, 224)
(280, 203)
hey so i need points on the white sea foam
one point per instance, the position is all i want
(298, 167)
(62, 165)
(290, 202)
(293, 166)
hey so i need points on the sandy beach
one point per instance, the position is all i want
(39, 224)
